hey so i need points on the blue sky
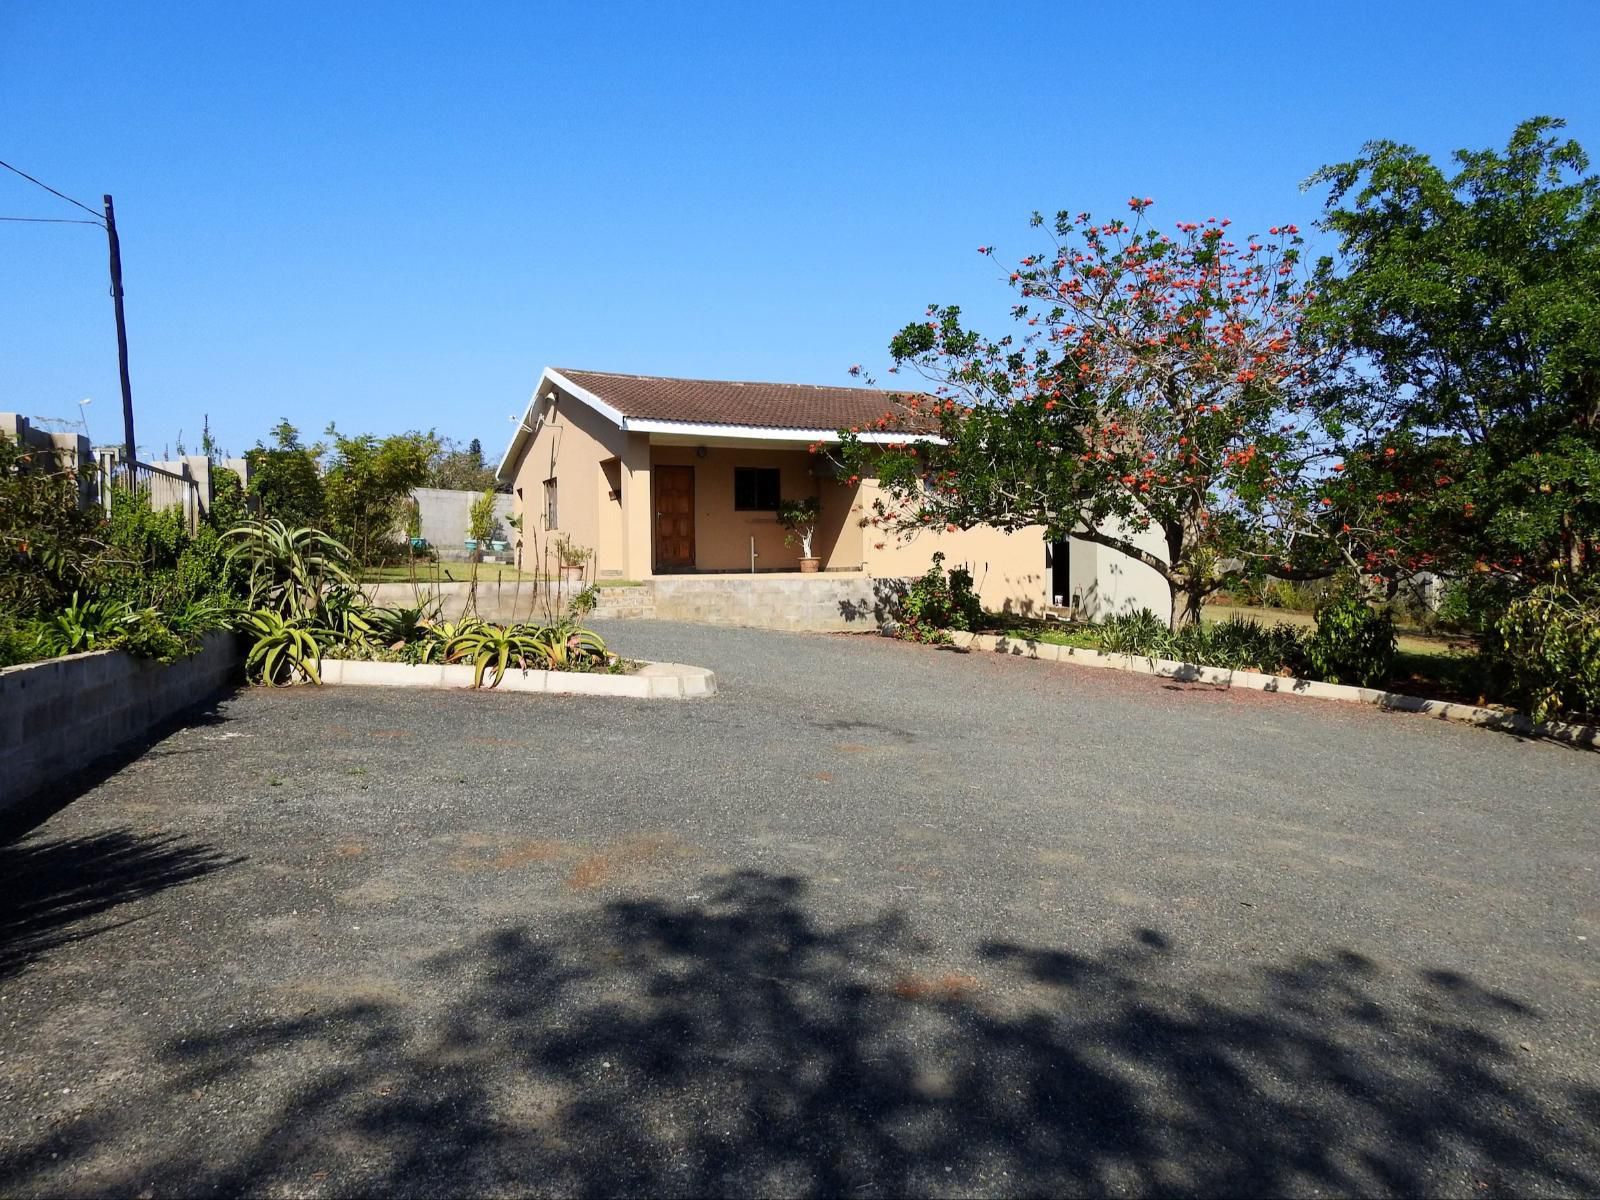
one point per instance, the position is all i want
(392, 216)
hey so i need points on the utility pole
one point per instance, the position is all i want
(122, 332)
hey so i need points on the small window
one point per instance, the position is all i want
(755, 489)
(550, 521)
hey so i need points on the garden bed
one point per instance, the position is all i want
(1585, 736)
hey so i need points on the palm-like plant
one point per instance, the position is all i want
(291, 570)
(283, 648)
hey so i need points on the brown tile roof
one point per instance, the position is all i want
(725, 402)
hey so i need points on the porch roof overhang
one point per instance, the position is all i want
(692, 433)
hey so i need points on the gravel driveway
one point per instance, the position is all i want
(875, 920)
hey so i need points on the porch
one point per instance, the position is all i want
(714, 508)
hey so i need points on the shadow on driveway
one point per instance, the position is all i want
(52, 889)
(733, 1043)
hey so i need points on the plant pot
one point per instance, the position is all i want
(809, 566)
(572, 574)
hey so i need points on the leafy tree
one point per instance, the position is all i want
(367, 484)
(1160, 380)
(285, 479)
(49, 544)
(1472, 300)
(460, 470)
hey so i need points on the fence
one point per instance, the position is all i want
(161, 489)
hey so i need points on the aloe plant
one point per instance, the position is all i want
(282, 647)
(564, 645)
(292, 571)
(496, 646)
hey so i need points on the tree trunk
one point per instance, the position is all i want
(1186, 601)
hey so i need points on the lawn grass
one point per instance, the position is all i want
(1413, 641)
(461, 572)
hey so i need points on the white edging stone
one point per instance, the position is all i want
(652, 681)
(1585, 736)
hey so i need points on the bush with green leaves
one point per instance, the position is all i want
(1135, 633)
(938, 602)
(1353, 642)
(1547, 648)
(83, 624)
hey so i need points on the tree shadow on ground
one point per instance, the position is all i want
(740, 1044)
(53, 888)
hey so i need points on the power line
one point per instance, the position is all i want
(55, 221)
(51, 190)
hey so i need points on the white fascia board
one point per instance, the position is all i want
(588, 397)
(538, 405)
(531, 416)
(761, 433)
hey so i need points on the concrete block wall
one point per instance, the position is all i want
(446, 515)
(59, 716)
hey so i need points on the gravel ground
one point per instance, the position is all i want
(877, 919)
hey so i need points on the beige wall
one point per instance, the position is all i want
(1008, 569)
(572, 446)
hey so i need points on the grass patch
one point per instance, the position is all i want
(445, 573)
(1409, 640)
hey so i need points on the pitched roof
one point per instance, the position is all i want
(728, 402)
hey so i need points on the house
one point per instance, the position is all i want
(661, 477)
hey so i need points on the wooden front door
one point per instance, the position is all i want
(674, 488)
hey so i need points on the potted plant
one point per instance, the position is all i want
(800, 518)
(572, 557)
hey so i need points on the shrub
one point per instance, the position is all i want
(1135, 633)
(1353, 642)
(19, 641)
(938, 602)
(81, 625)
(1547, 646)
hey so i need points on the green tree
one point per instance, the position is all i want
(367, 484)
(1471, 299)
(1160, 380)
(460, 470)
(285, 480)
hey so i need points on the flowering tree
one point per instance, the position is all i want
(1161, 380)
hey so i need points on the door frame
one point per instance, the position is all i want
(656, 565)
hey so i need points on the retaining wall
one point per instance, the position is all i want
(61, 715)
(820, 603)
(509, 601)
